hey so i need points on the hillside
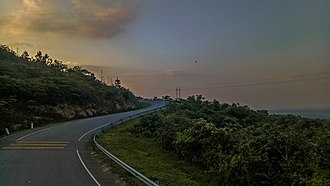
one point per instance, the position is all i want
(42, 90)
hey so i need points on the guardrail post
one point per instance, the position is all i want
(31, 125)
(7, 131)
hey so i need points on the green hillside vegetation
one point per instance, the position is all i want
(42, 90)
(235, 145)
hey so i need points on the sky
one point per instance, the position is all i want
(265, 54)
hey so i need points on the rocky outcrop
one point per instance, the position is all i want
(68, 111)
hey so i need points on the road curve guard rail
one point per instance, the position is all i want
(135, 173)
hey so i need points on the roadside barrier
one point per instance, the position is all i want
(135, 173)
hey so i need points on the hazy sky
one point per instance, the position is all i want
(267, 54)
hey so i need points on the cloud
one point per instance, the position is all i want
(133, 75)
(2, 21)
(160, 75)
(131, 72)
(21, 44)
(89, 19)
(178, 73)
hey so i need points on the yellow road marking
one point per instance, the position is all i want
(42, 142)
(38, 145)
(33, 148)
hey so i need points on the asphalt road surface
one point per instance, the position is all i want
(59, 154)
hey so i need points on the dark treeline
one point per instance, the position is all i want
(235, 145)
(39, 89)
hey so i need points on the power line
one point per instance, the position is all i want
(257, 83)
(268, 81)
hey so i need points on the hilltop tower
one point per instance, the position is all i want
(117, 83)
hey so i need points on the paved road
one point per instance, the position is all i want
(57, 155)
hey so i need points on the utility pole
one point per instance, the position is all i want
(111, 81)
(101, 75)
(179, 93)
(176, 93)
(108, 78)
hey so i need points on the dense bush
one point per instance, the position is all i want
(235, 145)
(30, 87)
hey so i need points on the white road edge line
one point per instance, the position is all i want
(39, 131)
(81, 137)
(82, 162)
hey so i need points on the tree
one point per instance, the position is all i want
(236, 145)
(41, 88)
(25, 55)
(38, 57)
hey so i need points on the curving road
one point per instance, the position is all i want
(58, 155)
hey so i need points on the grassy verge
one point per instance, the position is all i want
(147, 157)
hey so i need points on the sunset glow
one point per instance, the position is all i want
(267, 54)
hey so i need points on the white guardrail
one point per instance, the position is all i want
(135, 173)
